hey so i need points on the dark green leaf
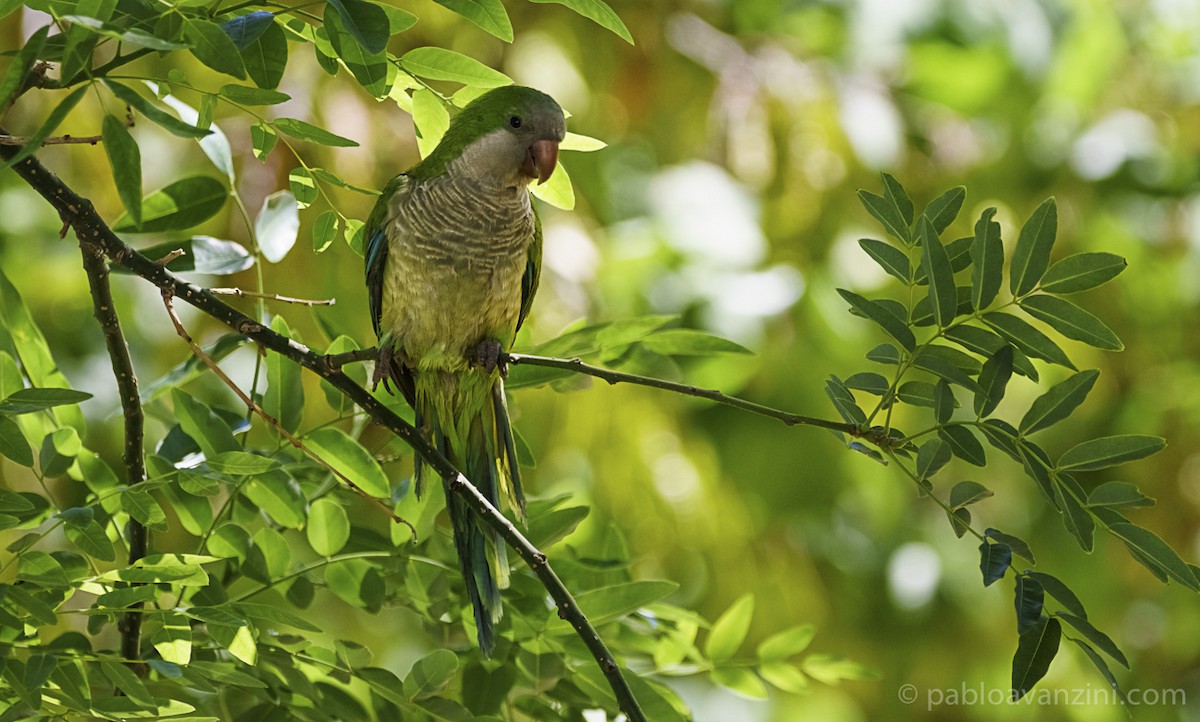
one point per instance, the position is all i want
(994, 558)
(89, 536)
(13, 443)
(1060, 592)
(890, 258)
(369, 67)
(844, 401)
(872, 383)
(964, 444)
(1110, 451)
(1071, 321)
(266, 57)
(1028, 602)
(1036, 649)
(307, 131)
(1076, 518)
(1032, 254)
(199, 422)
(943, 296)
(59, 449)
(1095, 636)
(366, 22)
(1058, 402)
(243, 95)
(888, 216)
(245, 29)
(931, 457)
(152, 112)
(442, 64)
(936, 363)
(917, 393)
(14, 77)
(885, 353)
(49, 126)
(689, 342)
(1037, 466)
(598, 12)
(986, 344)
(942, 210)
(1157, 551)
(1027, 338)
(960, 521)
(987, 261)
(487, 14)
(923, 311)
(182, 204)
(965, 493)
(895, 327)
(357, 583)
(550, 528)
(213, 47)
(324, 230)
(943, 402)
(126, 161)
(350, 459)
(1082, 271)
(1018, 545)
(1102, 667)
(25, 401)
(430, 674)
(1118, 493)
(993, 380)
(895, 195)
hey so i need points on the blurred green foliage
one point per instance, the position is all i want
(738, 133)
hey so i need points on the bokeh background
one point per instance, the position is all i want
(738, 133)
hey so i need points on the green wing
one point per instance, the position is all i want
(533, 271)
(376, 248)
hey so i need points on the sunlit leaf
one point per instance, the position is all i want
(349, 457)
(729, 631)
(328, 527)
(366, 22)
(212, 46)
(182, 204)
(598, 12)
(302, 130)
(277, 225)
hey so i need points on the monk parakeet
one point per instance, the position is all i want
(453, 256)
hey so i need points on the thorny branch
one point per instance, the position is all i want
(90, 228)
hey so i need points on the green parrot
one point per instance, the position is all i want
(453, 257)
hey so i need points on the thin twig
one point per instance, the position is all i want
(94, 264)
(337, 360)
(272, 297)
(271, 420)
(19, 140)
(89, 226)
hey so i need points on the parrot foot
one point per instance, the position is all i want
(383, 368)
(487, 355)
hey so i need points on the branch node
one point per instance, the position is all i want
(171, 256)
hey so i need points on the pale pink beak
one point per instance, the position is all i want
(540, 160)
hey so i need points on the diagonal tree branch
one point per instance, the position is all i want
(79, 213)
(96, 267)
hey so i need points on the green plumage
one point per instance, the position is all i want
(453, 258)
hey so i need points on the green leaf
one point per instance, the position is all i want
(13, 443)
(689, 342)
(356, 582)
(213, 47)
(1058, 402)
(301, 130)
(487, 14)
(366, 22)
(263, 139)
(964, 444)
(278, 495)
(277, 225)
(59, 449)
(965, 493)
(986, 344)
(917, 393)
(125, 159)
(1156, 551)
(1060, 592)
(328, 527)
(1027, 338)
(1017, 545)
(201, 254)
(785, 677)
(229, 541)
(739, 680)
(245, 29)
(888, 216)
(613, 602)
(1036, 649)
(89, 536)
(1071, 321)
(272, 613)
(987, 261)
(140, 505)
(284, 398)
(786, 644)
(354, 462)
(873, 310)
(430, 674)
(550, 528)
(730, 629)
(942, 210)
(431, 119)
(442, 64)
(154, 113)
(844, 401)
(1076, 518)
(1032, 254)
(993, 380)
(207, 429)
(936, 362)
(48, 127)
(22, 62)
(557, 191)
(173, 640)
(125, 680)
(870, 382)
(1082, 272)
(1028, 601)
(598, 12)
(369, 67)
(1110, 451)
(931, 457)
(244, 95)
(1099, 663)
(1118, 494)
(25, 401)
(890, 258)
(943, 401)
(266, 58)
(885, 353)
(831, 669)
(182, 204)
(324, 230)
(304, 186)
(942, 293)
(1095, 636)
(994, 559)
(241, 463)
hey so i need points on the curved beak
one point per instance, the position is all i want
(540, 160)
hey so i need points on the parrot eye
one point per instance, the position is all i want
(514, 122)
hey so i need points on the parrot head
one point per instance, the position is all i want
(509, 134)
